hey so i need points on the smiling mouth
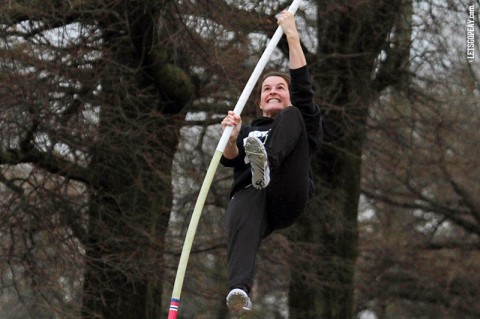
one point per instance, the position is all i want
(273, 101)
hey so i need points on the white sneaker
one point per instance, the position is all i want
(238, 302)
(257, 155)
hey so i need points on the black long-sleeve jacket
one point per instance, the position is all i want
(302, 98)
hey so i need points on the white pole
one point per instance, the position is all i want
(207, 182)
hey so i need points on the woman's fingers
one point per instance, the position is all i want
(231, 120)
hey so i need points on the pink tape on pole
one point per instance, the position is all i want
(172, 313)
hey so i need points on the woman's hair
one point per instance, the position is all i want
(285, 76)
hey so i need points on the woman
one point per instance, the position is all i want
(271, 161)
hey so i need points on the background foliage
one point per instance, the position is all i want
(109, 115)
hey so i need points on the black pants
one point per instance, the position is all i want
(253, 214)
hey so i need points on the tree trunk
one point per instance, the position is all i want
(351, 39)
(131, 196)
(128, 216)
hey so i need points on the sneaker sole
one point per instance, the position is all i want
(236, 303)
(257, 157)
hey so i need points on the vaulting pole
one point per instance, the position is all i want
(212, 168)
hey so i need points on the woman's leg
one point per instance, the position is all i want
(288, 155)
(245, 223)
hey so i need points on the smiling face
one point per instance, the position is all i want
(275, 96)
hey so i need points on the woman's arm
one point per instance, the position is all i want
(231, 150)
(297, 58)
